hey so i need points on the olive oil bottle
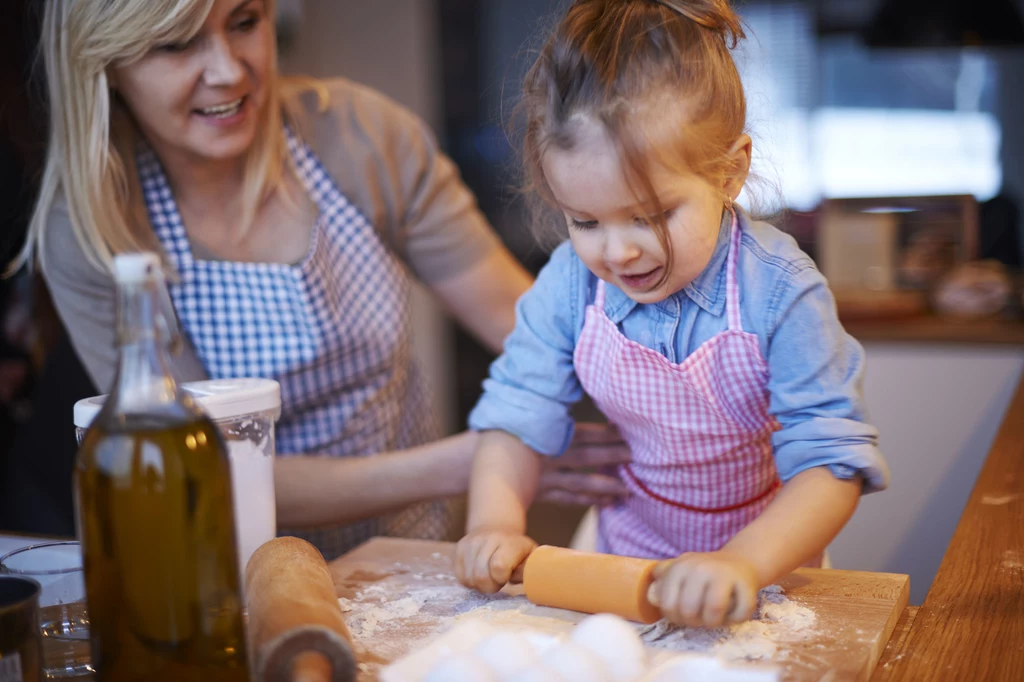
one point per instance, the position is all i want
(155, 514)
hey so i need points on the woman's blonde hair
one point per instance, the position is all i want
(91, 153)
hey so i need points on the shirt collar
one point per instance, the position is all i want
(707, 290)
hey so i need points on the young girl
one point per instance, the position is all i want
(709, 339)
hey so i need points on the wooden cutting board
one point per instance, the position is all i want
(402, 593)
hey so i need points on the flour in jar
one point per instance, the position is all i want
(252, 486)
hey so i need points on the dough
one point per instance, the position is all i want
(684, 669)
(461, 668)
(702, 668)
(506, 653)
(537, 673)
(576, 663)
(616, 643)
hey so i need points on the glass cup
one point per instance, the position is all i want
(57, 567)
(21, 643)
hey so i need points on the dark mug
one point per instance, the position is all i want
(21, 641)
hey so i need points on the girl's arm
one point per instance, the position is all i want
(825, 450)
(798, 525)
(503, 485)
(315, 491)
(483, 298)
(712, 588)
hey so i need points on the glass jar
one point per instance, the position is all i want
(245, 411)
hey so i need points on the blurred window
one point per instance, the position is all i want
(831, 118)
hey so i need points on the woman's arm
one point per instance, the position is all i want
(483, 297)
(388, 162)
(314, 491)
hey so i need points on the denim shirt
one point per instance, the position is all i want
(815, 367)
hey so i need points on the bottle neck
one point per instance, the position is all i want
(144, 382)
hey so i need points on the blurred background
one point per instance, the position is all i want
(888, 141)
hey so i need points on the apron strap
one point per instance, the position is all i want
(599, 296)
(732, 289)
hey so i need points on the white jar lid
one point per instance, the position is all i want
(219, 398)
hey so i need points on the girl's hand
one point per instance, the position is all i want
(586, 473)
(486, 558)
(705, 589)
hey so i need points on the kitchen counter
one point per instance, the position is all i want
(937, 391)
(400, 592)
(933, 329)
(971, 625)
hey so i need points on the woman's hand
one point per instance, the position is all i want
(706, 589)
(486, 558)
(585, 474)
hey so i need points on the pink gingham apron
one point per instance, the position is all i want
(700, 431)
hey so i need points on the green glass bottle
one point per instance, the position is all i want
(155, 516)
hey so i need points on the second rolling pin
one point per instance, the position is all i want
(296, 628)
(590, 583)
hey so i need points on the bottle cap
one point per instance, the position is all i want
(134, 268)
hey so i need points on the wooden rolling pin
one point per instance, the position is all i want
(296, 628)
(590, 583)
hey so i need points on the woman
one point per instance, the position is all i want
(293, 216)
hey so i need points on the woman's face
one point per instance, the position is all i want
(201, 101)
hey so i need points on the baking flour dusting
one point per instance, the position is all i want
(778, 619)
(397, 614)
(391, 618)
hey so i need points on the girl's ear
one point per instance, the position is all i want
(738, 167)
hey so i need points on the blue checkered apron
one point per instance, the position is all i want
(334, 330)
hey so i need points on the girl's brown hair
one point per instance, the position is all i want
(610, 60)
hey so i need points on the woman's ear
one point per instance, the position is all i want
(738, 167)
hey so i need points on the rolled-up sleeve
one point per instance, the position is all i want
(816, 370)
(533, 385)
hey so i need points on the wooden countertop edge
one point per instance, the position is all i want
(893, 651)
(971, 624)
(938, 331)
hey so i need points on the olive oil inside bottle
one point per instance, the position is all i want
(159, 550)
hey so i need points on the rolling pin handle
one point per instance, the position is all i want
(284, 660)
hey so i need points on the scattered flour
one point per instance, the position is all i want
(392, 616)
(778, 619)
(397, 614)
(998, 500)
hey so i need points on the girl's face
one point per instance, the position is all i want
(611, 232)
(202, 100)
